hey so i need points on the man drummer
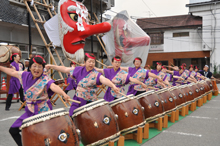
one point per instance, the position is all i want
(205, 72)
(26, 64)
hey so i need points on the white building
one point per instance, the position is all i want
(209, 10)
(175, 40)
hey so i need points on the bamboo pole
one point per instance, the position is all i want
(101, 63)
(41, 34)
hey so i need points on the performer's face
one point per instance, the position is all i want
(205, 68)
(196, 70)
(36, 70)
(26, 63)
(90, 64)
(190, 69)
(181, 71)
(158, 67)
(164, 70)
(116, 64)
(137, 63)
(17, 58)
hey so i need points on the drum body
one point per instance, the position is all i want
(188, 93)
(201, 87)
(4, 49)
(97, 123)
(167, 100)
(209, 82)
(50, 128)
(152, 105)
(179, 97)
(130, 114)
(196, 91)
(206, 87)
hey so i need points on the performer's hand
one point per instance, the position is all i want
(66, 97)
(181, 78)
(48, 66)
(115, 89)
(159, 79)
(2, 55)
(144, 85)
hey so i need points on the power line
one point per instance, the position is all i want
(148, 8)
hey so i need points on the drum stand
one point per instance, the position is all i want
(119, 143)
(210, 96)
(172, 116)
(136, 136)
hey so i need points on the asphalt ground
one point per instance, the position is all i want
(201, 128)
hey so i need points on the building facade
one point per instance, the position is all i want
(175, 40)
(209, 10)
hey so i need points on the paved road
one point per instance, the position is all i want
(201, 128)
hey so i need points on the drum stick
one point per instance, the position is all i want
(172, 64)
(124, 95)
(101, 63)
(74, 101)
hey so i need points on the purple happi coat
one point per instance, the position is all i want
(36, 94)
(120, 78)
(87, 82)
(140, 74)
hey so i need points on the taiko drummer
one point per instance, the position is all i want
(87, 79)
(37, 88)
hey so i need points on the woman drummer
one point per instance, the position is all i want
(15, 85)
(198, 76)
(140, 74)
(70, 80)
(118, 77)
(37, 88)
(87, 79)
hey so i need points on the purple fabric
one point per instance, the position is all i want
(80, 72)
(132, 71)
(28, 114)
(155, 71)
(14, 82)
(27, 81)
(175, 73)
(110, 74)
(71, 82)
(76, 105)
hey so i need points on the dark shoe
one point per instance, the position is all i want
(7, 109)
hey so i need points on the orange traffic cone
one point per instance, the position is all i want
(3, 84)
(65, 81)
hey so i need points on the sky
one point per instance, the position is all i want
(151, 8)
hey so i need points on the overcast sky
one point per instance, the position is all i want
(151, 7)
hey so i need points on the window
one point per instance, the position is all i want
(180, 34)
(156, 38)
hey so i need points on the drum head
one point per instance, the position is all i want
(3, 50)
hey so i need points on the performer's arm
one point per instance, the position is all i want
(107, 82)
(171, 72)
(9, 71)
(178, 77)
(137, 82)
(62, 69)
(154, 76)
(58, 90)
(99, 70)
